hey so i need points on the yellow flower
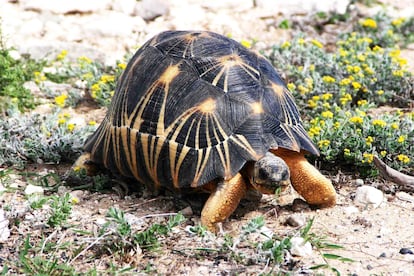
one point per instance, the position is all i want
(85, 59)
(61, 121)
(246, 43)
(368, 157)
(314, 131)
(317, 43)
(312, 67)
(327, 114)
(368, 23)
(395, 53)
(401, 139)
(380, 92)
(362, 102)
(302, 89)
(61, 56)
(285, 45)
(92, 123)
(326, 105)
(369, 140)
(324, 143)
(383, 153)
(369, 70)
(377, 49)
(356, 85)
(394, 126)
(39, 77)
(75, 200)
(301, 41)
(326, 96)
(328, 79)
(347, 152)
(312, 104)
(87, 76)
(361, 57)
(403, 158)
(398, 21)
(345, 98)
(70, 127)
(107, 78)
(60, 100)
(309, 82)
(398, 73)
(336, 125)
(378, 122)
(356, 120)
(316, 98)
(345, 81)
(291, 86)
(122, 66)
(342, 52)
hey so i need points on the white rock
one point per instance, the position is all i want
(359, 182)
(125, 6)
(15, 54)
(349, 210)
(100, 221)
(151, 9)
(4, 227)
(368, 196)
(32, 189)
(300, 247)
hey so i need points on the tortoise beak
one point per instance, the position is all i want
(272, 187)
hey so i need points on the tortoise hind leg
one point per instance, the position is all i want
(223, 201)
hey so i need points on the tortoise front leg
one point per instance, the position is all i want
(223, 201)
(314, 187)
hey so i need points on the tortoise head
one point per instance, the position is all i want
(270, 174)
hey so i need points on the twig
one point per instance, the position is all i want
(404, 180)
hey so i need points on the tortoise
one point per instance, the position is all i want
(197, 110)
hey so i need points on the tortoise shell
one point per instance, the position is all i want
(192, 107)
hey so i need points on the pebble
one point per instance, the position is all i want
(368, 196)
(349, 210)
(33, 189)
(405, 196)
(405, 251)
(295, 220)
(4, 227)
(300, 247)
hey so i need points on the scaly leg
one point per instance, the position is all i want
(223, 201)
(315, 188)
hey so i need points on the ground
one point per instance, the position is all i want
(372, 237)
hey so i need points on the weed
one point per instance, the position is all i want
(61, 208)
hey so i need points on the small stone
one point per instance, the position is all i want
(32, 189)
(151, 9)
(187, 211)
(405, 251)
(4, 227)
(359, 182)
(295, 220)
(349, 210)
(300, 247)
(368, 196)
(383, 255)
(100, 221)
(299, 205)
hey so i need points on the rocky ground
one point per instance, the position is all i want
(372, 226)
